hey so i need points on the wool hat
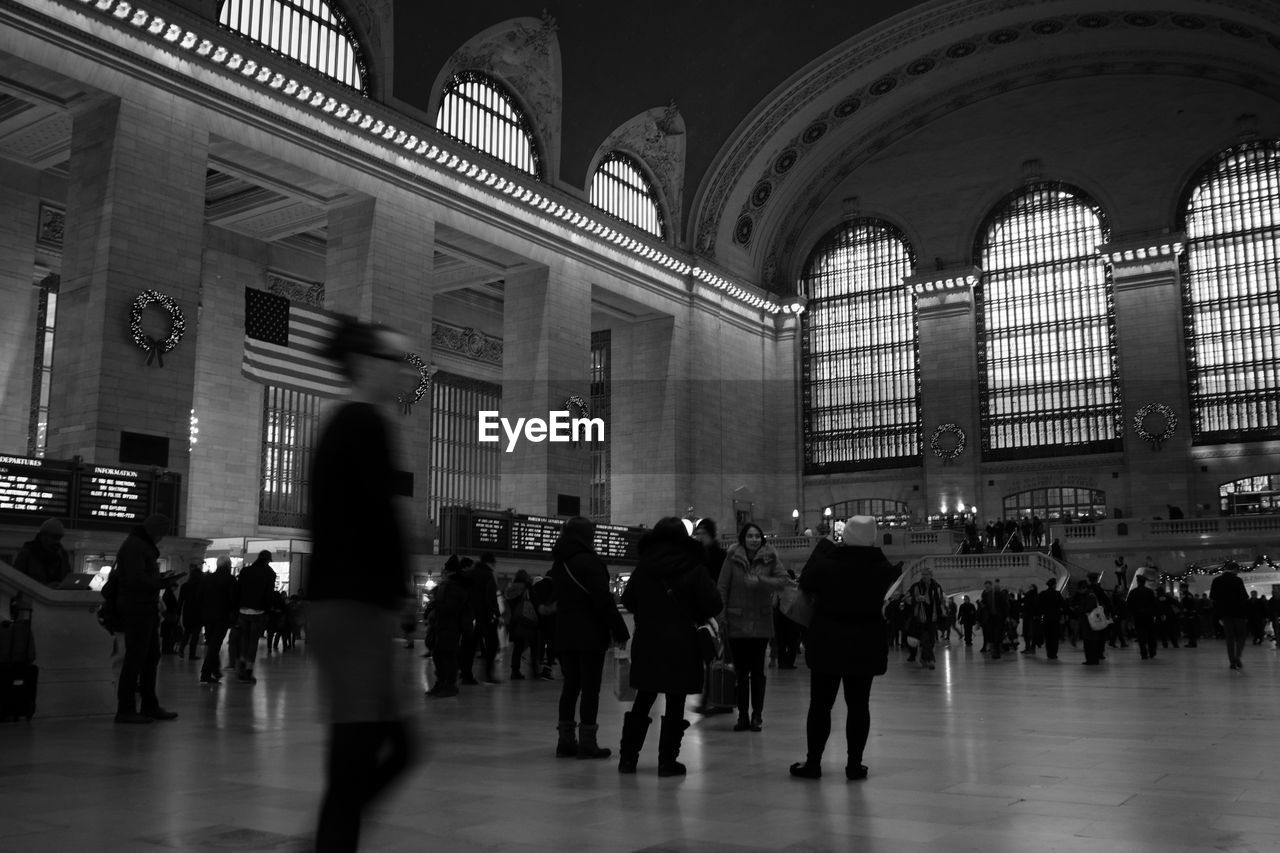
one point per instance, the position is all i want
(708, 525)
(52, 527)
(860, 530)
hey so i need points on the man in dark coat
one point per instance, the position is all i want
(1142, 607)
(189, 606)
(1049, 605)
(1231, 606)
(846, 642)
(217, 614)
(967, 614)
(43, 558)
(449, 616)
(995, 609)
(134, 584)
(254, 587)
(483, 635)
(587, 620)
(670, 594)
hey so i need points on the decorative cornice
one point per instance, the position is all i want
(1143, 250)
(959, 279)
(194, 42)
(466, 342)
(295, 289)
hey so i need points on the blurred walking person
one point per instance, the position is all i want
(358, 584)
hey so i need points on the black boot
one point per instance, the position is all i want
(567, 745)
(587, 746)
(669, 738)
(634, 728)
(757, 703)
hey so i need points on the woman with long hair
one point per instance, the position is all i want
(751, 576)
(587, 618)
(670, 594)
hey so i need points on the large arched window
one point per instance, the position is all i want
(1046, 328)
(1231, 294)
(313, 32)
(477, 109)
(1057, 503)
(1251, 496)
(620, 187)
(860, 352)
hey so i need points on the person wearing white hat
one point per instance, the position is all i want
(846, 642)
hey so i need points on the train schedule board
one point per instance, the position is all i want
(112, 496)
(467, 531)
(32, 490)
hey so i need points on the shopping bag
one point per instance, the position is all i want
(622, 689)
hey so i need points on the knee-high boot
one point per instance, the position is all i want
(634, 728)
(669, 737)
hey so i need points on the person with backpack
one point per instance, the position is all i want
(522, 621)
(450, 613)
(217, 614)
(482, 635)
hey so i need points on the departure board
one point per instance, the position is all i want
(468, 531)
(115, 495)
(34, 489)
(84, 495)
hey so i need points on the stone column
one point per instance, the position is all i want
(546, 359)
(949, 387)
(649, 401)
(135, 221)
(19, 204)
(378, 265)
(1153, 369)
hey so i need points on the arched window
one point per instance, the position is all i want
(1251, 496)
(1046, 328)
(477, 110)
(620, 187)
(860, 352)
(1057, 503)
(313, 32)
(1231, 294)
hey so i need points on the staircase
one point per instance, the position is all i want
(965, 573)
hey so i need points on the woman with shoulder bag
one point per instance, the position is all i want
(751, 575)
(587, 618)
(670, 594)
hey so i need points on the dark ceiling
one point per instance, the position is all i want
(717, 59)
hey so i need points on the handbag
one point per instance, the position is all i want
(797, 606)
(709, 641)
(1098, 620)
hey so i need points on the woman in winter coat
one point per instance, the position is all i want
(586, 619)
(522, 622)
(846, 642)
(670, 594)
(751, 575)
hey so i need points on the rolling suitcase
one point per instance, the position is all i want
(722, 686)
(18, 690)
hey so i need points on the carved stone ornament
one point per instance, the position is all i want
(466, 342)
(523, 53)
(53, 222)
(656, 137)
(296, 290)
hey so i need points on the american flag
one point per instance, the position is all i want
(283, 343)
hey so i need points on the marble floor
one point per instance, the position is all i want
(1021, 754)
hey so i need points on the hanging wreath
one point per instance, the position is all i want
(576, 402)
(947, 451)
(425, 372)
(155, 348)
(1151, 410)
